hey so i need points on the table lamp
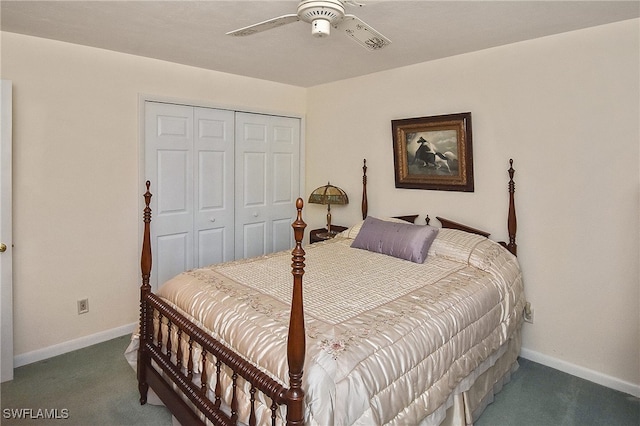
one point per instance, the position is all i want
(328, 194)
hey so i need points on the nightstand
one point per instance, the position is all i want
(316, 234)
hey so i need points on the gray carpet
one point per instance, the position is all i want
(96, 386)
(541, 396)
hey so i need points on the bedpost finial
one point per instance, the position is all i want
(298, 226)
(511, 172)
(147, 198)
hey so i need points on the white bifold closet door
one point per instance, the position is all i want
(189, 161)
(266, 184)
(224, 185)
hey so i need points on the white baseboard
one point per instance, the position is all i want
(72, 345)
(582, 372)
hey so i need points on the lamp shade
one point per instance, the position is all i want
(328, 194)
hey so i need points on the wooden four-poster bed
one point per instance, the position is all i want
(206, 342)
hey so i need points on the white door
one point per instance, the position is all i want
(214, 170)
(267, 178)
(169, 167)
(189, 161)
(6, 249)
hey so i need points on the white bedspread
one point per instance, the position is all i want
(388, 340)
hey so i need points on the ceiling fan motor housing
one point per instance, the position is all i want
(321, 14)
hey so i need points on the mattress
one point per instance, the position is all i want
(388, 341)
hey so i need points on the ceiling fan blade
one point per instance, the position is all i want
(362, 33)
(265, 25)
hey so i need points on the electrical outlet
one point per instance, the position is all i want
(528, 313)
(83, 306)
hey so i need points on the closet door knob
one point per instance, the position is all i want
(213, 219)
(255, 214)
(3, 248)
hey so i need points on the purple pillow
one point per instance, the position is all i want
(402, 240)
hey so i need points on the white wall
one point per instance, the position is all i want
(76, 177)
(566, 109)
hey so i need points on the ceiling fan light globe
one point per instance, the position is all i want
(320, 28)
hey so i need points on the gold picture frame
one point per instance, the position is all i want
(434, 152)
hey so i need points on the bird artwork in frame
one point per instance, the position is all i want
(434, 152)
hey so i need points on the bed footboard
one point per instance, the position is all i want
(186, 389)
(169, 360)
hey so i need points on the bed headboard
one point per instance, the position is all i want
(446, 223)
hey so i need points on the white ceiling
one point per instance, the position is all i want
(193, 32)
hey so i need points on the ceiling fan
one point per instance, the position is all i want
(322, 15)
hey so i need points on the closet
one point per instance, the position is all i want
(224, 184)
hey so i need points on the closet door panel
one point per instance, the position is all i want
(254, 130)
(282, 234)
(253, 230)
(252, 227)
(253, 176)
(211, 246)
(169, 167)
(214, 190)
(254, 241)
(285, 179)
(282, 178)
(211, 179)
(214, 234)
(172, 183)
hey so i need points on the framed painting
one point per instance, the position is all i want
(434, 152)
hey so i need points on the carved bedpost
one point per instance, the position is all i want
(296, 340)
(145, 314)
(365, 202)
(512, 223)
